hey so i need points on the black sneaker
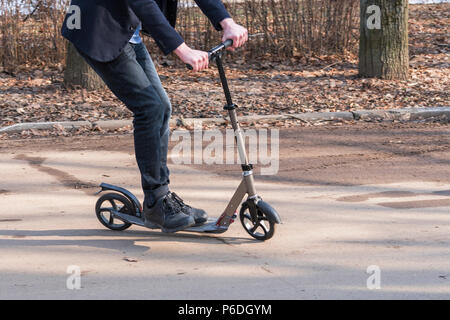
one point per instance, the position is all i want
(167, 214)
(200, 216)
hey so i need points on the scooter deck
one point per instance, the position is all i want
(209, 227)
(128, 218)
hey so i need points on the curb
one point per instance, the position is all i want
(407, 114)
(19, 127)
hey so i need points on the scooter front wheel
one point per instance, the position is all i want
(256, 222)
(105, 207)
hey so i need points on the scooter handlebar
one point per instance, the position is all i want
(212, 53)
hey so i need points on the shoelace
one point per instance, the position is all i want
(179, 200)
(173, 206)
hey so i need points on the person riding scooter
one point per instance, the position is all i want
(103, 39)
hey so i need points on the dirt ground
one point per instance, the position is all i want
(362, 153)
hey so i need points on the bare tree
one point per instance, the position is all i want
(383, 50)
(78, 73)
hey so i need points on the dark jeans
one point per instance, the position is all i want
(132, 77)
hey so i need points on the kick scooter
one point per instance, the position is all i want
(120, 209)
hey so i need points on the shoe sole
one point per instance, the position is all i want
(180, 228)
(151, 225)
(191, 223)
(154, 226)
(198, 224)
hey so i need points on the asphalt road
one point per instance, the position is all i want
(363, 207)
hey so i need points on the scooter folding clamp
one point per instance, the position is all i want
(230, 106)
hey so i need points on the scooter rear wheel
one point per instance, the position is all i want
(107, 204)
(256, 222)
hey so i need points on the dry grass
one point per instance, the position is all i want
(281, 28)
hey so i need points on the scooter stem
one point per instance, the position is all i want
(224, 81)
(231, 108)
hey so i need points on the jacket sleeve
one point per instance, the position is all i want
(214, 10)
(154, 21)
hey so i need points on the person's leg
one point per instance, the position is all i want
(145, 61)
(126, 78)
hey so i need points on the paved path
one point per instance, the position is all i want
(330, 236)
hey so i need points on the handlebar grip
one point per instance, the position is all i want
(223, 45)
(228, 43)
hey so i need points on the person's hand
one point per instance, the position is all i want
(199, 60)
(235, 32)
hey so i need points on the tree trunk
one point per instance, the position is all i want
(383, 48)
(78, 73)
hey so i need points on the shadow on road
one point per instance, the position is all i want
(131, 238)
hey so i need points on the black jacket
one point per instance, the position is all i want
(106, 26)
(169, 9)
